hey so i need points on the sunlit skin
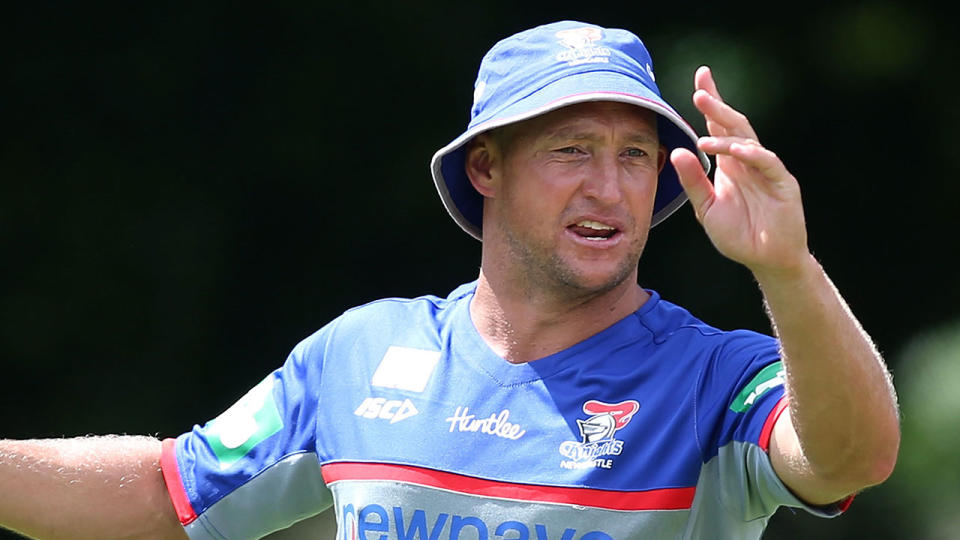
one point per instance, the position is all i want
(568, 201)
(841, 430)
(544, 286)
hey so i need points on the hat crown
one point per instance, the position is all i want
(524, 63)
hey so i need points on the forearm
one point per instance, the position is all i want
(842, 403)
(91, 487)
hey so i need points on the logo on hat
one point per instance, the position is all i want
(581, 48)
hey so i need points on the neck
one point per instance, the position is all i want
(524, 325)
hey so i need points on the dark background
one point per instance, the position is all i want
(186, 191)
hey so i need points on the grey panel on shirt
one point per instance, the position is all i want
(287, 492)
(737, 493)
(322, 526)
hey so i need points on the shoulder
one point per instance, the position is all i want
(711, 351)
(386, 317)
(405, 310)
(667, 321)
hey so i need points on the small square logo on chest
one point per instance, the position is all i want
(405, 368)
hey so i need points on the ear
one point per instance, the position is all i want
(661, 158)
(481, 154)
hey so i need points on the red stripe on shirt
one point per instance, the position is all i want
(844, 505)
(654, 499)
(771, 421)
(171, 475)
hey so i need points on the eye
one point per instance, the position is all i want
(635, 152)
(568, 150)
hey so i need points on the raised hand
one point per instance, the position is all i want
(752, 211)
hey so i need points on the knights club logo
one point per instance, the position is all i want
(579, 38)
(598, 444)
(581, 46)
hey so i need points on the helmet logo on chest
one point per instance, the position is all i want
(598, 445)
(605, 419)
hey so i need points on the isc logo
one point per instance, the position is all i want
(393, 409)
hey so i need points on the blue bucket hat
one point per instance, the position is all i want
(549, 67)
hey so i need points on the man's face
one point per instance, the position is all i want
(573, 194)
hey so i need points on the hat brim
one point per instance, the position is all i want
(465, 204)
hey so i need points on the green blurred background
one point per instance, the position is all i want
(186, 191)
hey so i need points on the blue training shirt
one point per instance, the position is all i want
(400, 416)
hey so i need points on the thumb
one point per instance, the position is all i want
(693, 180)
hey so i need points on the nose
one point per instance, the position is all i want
(603, 181)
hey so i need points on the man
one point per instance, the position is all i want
(553, 397)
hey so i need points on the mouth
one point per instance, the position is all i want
(593, 231)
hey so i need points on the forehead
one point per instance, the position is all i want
(592, 114)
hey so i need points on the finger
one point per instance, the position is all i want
(724, 119)
(733, 122)
(715, 129)
(693, 180)
(703, 80)
(747, 151)
(761, 159)
(721, 145)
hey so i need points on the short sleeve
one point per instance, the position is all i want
(253, 469)
(740, 396)
(737, 391)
